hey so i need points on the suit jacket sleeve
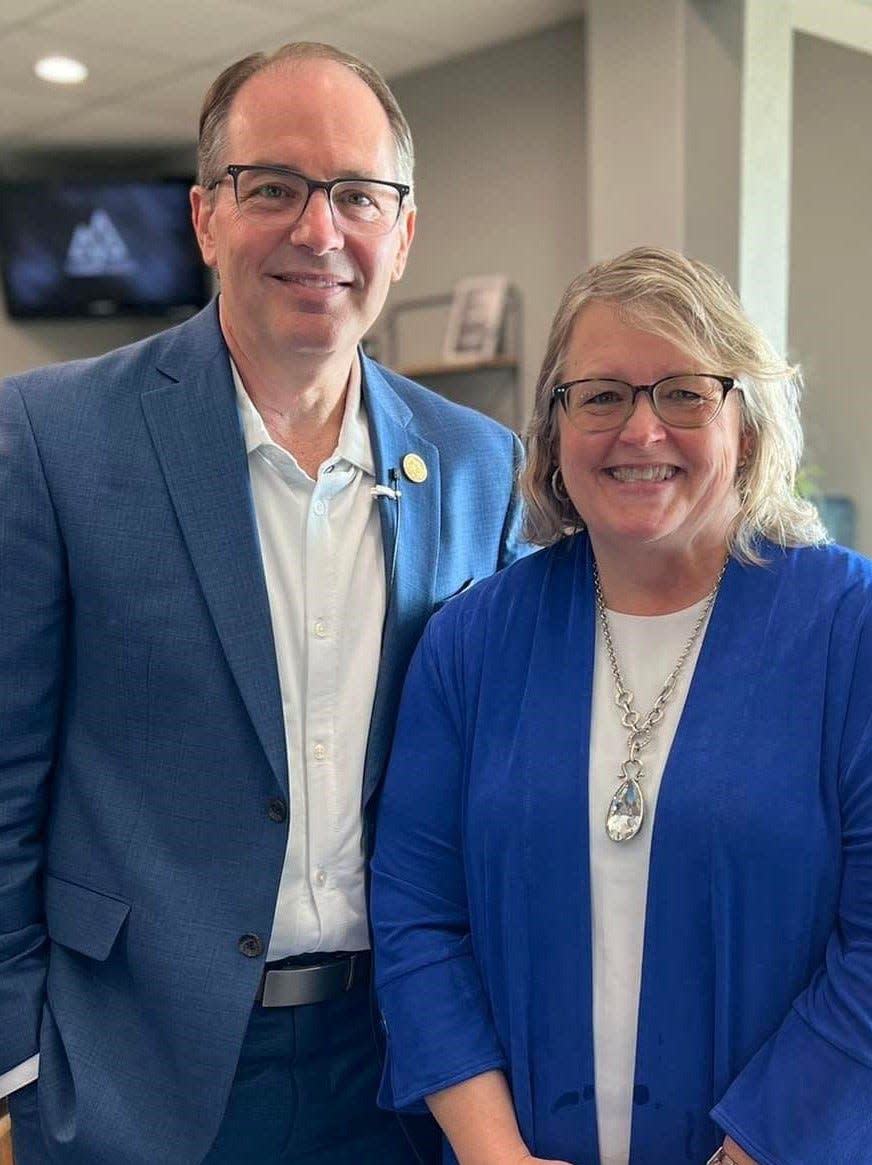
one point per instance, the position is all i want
(435, 1013)
(804, 1098)
(33, 603)
(512, 545)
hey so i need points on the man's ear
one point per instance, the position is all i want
(407, 233)
(202, 212)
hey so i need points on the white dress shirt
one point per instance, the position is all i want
(647, 648)
(324, 566)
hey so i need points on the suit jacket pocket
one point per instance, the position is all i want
(85, 920)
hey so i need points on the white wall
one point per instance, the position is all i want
(831, 265)
(501, 184)
(29, 344)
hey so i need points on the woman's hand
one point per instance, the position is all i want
(478, 1118)
(737, 1153)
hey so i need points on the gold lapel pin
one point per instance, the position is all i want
(414, 468)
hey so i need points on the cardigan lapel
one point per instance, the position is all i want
(192, 418)
(410, 537)
(711, 755)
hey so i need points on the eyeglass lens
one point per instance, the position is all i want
(687, 402)
(359, 205)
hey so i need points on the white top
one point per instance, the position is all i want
(322, 556)
(647, 648)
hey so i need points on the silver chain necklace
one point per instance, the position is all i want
(627, 806)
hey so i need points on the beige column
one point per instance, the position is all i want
(688, 124)
(767, 121)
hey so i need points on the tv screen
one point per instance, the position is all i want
(97, 249)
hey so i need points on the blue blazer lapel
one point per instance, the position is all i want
(193, 421)
(410, 537)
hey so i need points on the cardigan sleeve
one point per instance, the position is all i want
(804, 1098)
(435, 1013)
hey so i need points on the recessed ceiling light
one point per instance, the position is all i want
(60, 70)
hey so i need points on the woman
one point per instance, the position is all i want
(622, 890)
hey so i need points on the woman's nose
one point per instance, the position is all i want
(643, 424)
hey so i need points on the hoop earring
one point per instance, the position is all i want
(558, 487)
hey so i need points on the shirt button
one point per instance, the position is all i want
(277, 809)
(320, 508)
(319, 752)
(320, 628)
(320, 878)
(251, 945)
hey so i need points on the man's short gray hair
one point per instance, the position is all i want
(212, 143)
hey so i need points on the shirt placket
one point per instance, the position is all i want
(323, 632)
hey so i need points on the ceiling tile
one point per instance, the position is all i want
(196, 30)
(485, 22)
(116, 124)
(109, 72)
(309, 8)
(179, 96)
(17, 11)
(388, 51)
(19, 112)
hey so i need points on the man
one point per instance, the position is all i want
(218, 548)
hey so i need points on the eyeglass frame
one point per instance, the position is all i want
(235, 169)
(727, 383)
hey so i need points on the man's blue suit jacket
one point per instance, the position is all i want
(141, 732)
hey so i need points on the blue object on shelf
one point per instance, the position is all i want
(838, 515)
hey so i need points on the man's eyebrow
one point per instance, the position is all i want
(352, 172)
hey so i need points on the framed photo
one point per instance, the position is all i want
(475, 319)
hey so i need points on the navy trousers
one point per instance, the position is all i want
(304, 1091)
(303, 1094)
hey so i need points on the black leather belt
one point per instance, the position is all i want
(301, 980)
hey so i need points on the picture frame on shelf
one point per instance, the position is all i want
(475, 319)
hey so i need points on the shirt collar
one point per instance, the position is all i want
(354, 445)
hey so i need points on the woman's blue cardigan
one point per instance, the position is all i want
(756, 1000)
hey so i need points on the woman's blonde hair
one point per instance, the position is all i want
(692, 305)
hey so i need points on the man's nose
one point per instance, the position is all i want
(315, 228)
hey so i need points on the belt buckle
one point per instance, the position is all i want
(296, 986)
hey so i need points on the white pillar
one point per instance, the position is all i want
(635, 124)
(767, 116)
(688, 130)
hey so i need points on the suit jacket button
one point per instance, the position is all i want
(251, 945)
(277, 809)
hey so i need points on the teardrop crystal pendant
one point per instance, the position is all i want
(627, 807)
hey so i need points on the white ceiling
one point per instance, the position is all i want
(151, 61)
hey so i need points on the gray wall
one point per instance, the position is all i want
(831, 265)
(501, 180)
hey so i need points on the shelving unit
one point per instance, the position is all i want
(492, 386)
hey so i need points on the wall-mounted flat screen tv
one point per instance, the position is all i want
(98, 249)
